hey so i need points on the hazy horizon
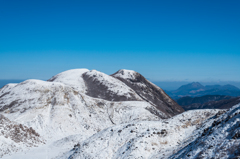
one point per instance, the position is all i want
(165, 85)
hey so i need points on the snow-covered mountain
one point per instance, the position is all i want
(149, 92)
(87, 114)
(74, 102)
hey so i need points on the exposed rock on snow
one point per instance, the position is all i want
(219, 137)
(145, 139)
(15, 137)
(100, 85)
(149, 92)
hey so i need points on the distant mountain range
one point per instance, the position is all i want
(208, 102)
(196, 89)
(173, 85)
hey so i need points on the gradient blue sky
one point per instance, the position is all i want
(184, 40)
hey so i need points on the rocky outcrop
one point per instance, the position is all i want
(218, 137)
(15, 137)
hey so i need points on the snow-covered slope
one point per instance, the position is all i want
(100, 85)
(118, 88)
(71, 78)
(219, 137)
(145, 139)
(6, 88)
(149, 92)
(48, 107)
(51, 107)
(15, 137)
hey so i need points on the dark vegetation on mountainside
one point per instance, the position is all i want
(208, 102)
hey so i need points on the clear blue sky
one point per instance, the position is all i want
(163, 40)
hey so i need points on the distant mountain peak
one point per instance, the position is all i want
(196, 83)
(196, 89)
(191, 86)
(127, 74)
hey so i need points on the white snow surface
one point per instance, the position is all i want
(15, 137)
(7, 87)
(218, 137)
(144, 139)
(71, 78)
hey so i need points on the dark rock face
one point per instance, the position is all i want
(149, 92)
(100, 85)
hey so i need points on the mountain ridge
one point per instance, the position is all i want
(195, 89)
(148, 91)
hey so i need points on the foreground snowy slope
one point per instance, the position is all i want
(219, 137)
(192, 134)
(145, 139)
(15, 137)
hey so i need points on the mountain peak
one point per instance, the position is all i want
(191, 86)
(196, 84)
(126, 74)
(71, 78)
(148, 91)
